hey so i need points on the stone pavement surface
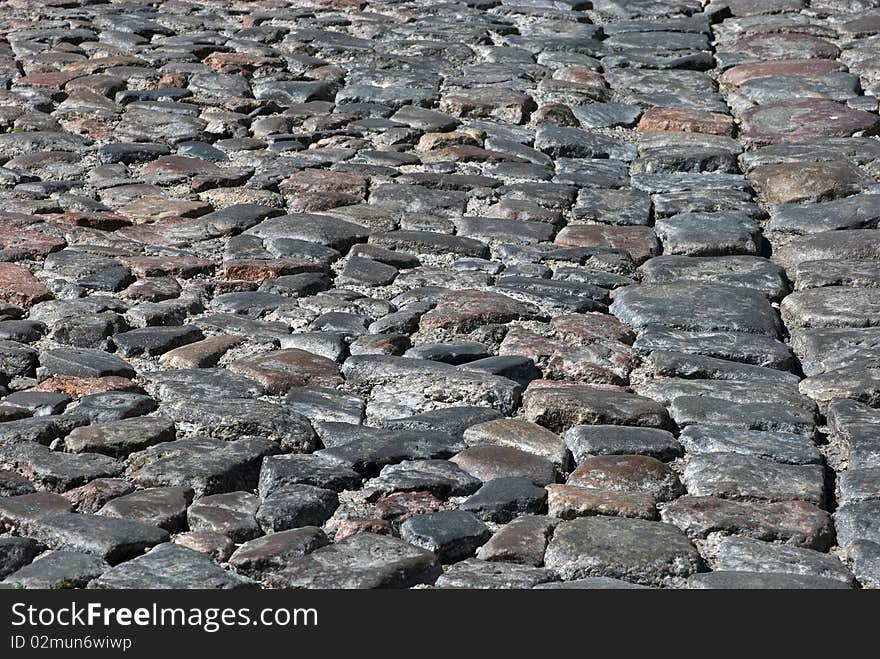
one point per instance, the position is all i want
(465, 294)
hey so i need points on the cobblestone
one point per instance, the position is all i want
(486, 294)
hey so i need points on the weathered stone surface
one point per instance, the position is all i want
(561, 406)
(627, 473)
(816, 274)
(208, 466)
(626, 206)
(273, 552)
(865, 560)
(231, 514)
(19, 287)
(279, 371)
(695, 306)
(22, 428)
(497, 103)
(451, 534)
(317, 470)
(853, 424)
(857, 521)
(201, 354)
(488, 462)
(639, 242)
(474, 573)
(400, 506)
(671, 368)
(330, 269)
(501, 499)
(416, 385)
(17, 512)
(836, 86)
(796, 120)
(650, 553)
(717, 411)
(170, 566)
(439, 477)
(92, 496)
(519, 434)
(113, 540)
(325, 404)
(737, 476)
(741, 73)
(791, 183)
(113, 406)
(151, 341)
(832, 306)
(119, 438)
(774, 390)
(742, 270)
(203, 383)
(589, 440)
(582, 350)
(746, 555)
(164, 507)
(737, 347)
(364, 560)
(463, 311)
(57, 570)
(567, 142)
(829, 246)
(793, 522)
(762, 581)
(354, 525)
(571, 501)
(293, 506)
(772, 46)
(709, 234)
(15, 553)
(787, 448)
(695, 121)
(232, 418)
(523, 541)
(54, 470)
(82, 362)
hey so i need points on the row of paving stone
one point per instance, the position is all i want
(527, 293)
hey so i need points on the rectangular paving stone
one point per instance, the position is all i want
(826, 348)
(708, 410)
(783, 447)
(57, 471)
(774, 391)
(650, 553)
(432, 383)
(793, 522)
(170, 566)
(832, 306)
(694, 306)
(748, 555)
(114, 540)
(746, 271)
(732, 346)
(119, 438)
(208, 466)
(559, 406)
(364, 560)
(855, 425)
(737, 476)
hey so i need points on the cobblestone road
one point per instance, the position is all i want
(486, 293)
